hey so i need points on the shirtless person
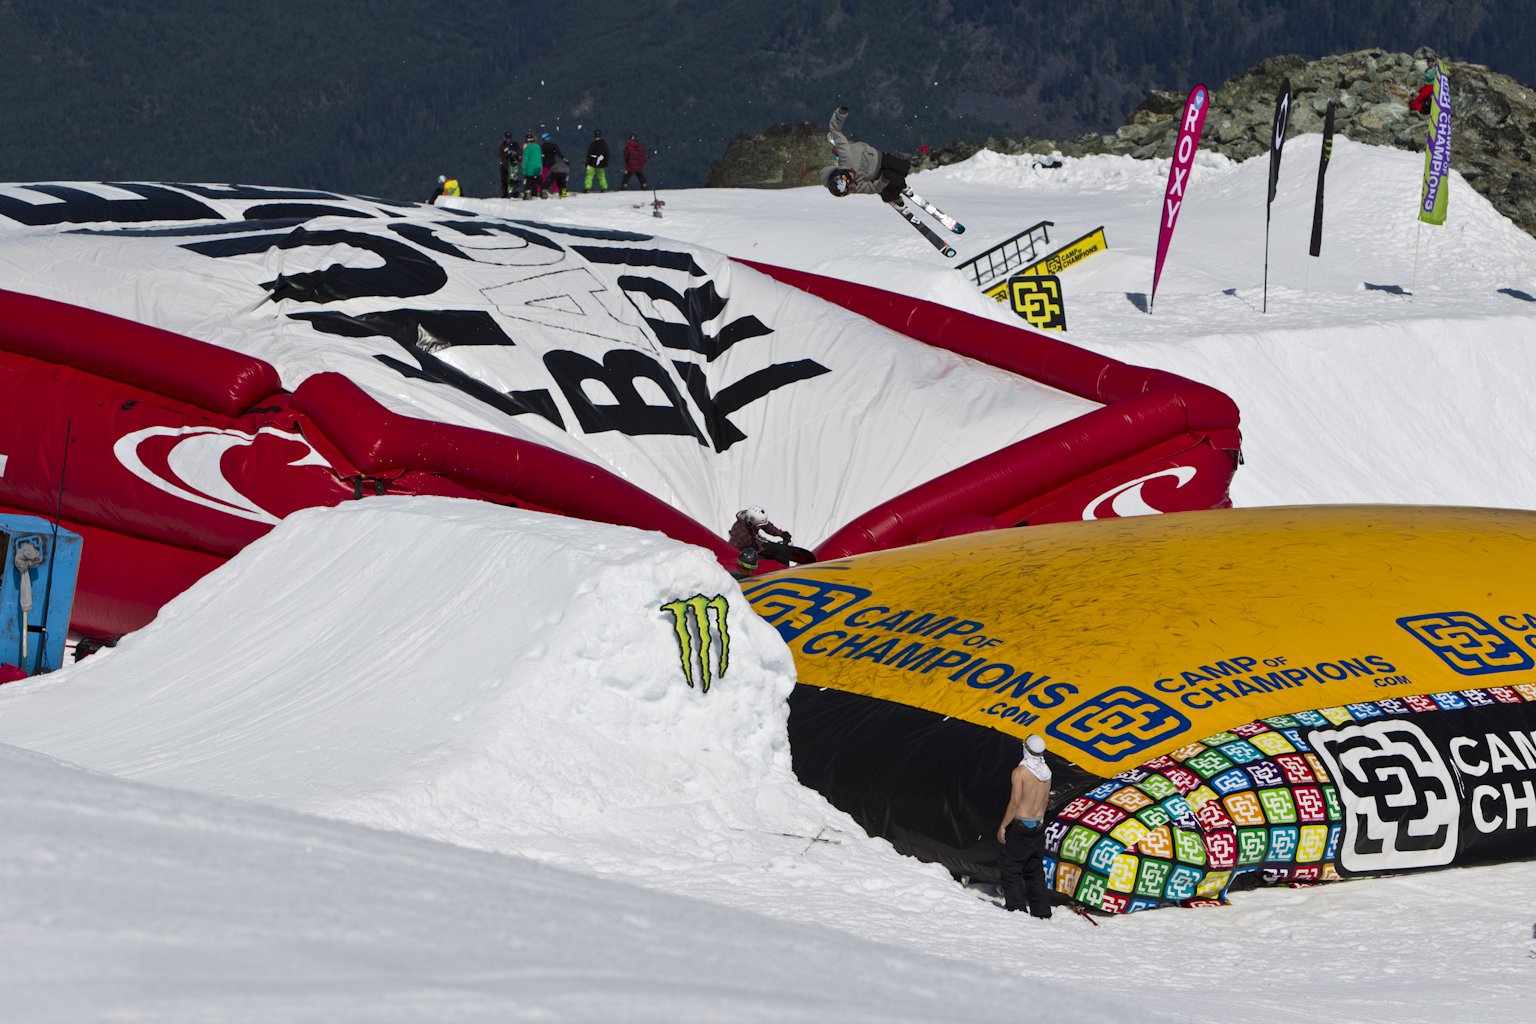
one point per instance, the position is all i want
(1022, 833)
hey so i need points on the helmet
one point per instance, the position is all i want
(1035, 744)
(840, 181)
(754, 515)
(442, 179)
(747, 560)
(544, 136)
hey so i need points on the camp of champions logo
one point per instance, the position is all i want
(1468, 643)
(1117, 723)
(1038, 299)
(1401, 808)
(794, 605)
(703, 637)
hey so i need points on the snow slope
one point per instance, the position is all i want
(131, 902)
(558, 825)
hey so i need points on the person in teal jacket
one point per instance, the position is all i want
(533, 168)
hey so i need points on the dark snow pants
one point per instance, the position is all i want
(785, 553)
(1024, 870)
(894, 170)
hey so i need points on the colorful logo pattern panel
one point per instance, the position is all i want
(1368, 793)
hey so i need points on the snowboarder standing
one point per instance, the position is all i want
(748, 537)
(634, 162)
(509, 154)
(556, 169)
(533, 168)
(597, 163)
(861, 167)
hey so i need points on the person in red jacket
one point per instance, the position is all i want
(634, 161)
(1421, 101)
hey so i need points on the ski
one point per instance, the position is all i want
(934, 212)
(923, 229)
(819, 837)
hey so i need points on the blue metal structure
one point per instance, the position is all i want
(37, 590)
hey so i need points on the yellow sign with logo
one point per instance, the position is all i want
(1037, 298)
(1121, 640)
(1054, 263)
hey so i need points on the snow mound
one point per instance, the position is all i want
(432, 665)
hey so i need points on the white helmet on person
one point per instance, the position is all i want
(756, 515)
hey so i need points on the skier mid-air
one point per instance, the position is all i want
(861, 168)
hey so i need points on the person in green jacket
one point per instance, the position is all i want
(533, 168)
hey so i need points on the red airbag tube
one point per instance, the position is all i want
(199, 374)
(382, 444)
(1145, 410)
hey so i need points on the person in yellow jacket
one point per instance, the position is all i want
(446, 186)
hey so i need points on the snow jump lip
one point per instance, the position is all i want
(1306, 693)
(180, 452)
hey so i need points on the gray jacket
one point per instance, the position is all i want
(859, 157)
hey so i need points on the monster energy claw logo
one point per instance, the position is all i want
(702, 638)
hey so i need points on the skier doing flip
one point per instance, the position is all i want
(748, 538)
(861, 168)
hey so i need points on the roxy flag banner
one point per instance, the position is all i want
(1437, 152)
(1190, 126)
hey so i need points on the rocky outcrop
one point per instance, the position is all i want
(1493, 123)
(784, 156)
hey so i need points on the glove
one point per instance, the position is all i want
(787, 538)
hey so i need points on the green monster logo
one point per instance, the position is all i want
(697, 633)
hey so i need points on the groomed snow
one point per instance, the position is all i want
(422, 759)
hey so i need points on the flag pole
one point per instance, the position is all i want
(1265, 308)
(1413, 283)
